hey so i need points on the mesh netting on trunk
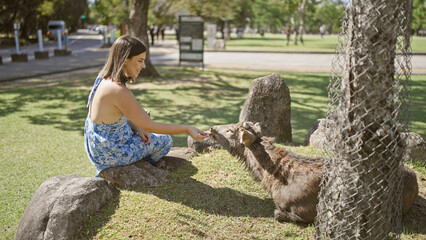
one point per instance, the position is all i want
(369, 98)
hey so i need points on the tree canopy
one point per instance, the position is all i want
(34, 14)
(270, 15)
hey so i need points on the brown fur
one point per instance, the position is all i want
(292, 180)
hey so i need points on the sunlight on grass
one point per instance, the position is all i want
(278, 42)
(210, 197)
(41, 124)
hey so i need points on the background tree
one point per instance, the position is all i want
(329, 13)
(21, 11)
(34, 14)
(69, 11)
(222, 11)
(8, 11)
(419, 16)
(163, 13)
(244, 14)
(110, 12)
(139, 28)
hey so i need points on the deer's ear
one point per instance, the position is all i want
(247, 138)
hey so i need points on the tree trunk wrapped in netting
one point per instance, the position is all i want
(369, 96)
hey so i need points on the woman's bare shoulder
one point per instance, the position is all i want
(115, 88)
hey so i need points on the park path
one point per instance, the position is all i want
(167, 53)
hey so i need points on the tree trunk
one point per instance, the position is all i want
(220, 25)
(295, 27)
(302, 20)
(139, 28)
(226, 29)
(361, 197)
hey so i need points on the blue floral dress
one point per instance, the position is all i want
(110, 145)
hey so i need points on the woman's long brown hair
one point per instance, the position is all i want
(123, 48)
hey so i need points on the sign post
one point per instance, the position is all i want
(18, 56)
(16, 27)
(191, 39)
(40, 54)
(58, 33)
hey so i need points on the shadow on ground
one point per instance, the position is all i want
(98, 220)
(415, 220)
(182, 188)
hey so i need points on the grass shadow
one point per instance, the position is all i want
(415, 220)
(183, 189)
(59, 106)
(219, 99)
(98, 220)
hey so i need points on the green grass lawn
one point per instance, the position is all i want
(41, 124)
(277, 42)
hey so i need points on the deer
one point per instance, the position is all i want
(292, 180)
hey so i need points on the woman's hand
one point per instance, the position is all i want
(146, 136)
(196, 133)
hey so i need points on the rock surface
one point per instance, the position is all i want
(317, 135)
(416, 147)
(268, 103)
(142, 174)
(61, 206)
(175, 158)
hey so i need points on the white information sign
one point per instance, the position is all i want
(191, 39)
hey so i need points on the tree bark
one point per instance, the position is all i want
(294, 22)
(302, 7)
(363, 188)
(139, 28)
(226, 29)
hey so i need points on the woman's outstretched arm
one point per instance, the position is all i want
(126, 102)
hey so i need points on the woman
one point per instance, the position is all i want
(118, 131)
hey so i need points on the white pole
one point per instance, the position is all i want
(105, 37)
(17, 42)
(40, 40)
(59, 39)
(112, 37)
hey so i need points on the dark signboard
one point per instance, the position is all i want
(191, 39)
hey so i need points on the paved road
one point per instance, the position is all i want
(81, 41)
(270, 61)
(86, 53)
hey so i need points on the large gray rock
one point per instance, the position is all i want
(206, 144)
(142, 174)
(176, 157)
(61, 206)
(268, 103)
(313, 128)
(134, 176)
(416, 147)
(317, 135)
(182, 152)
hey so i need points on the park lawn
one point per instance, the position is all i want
(277, 42)
(41, 124)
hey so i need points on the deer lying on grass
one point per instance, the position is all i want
(292, 180)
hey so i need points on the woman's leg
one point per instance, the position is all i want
(158, 147)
